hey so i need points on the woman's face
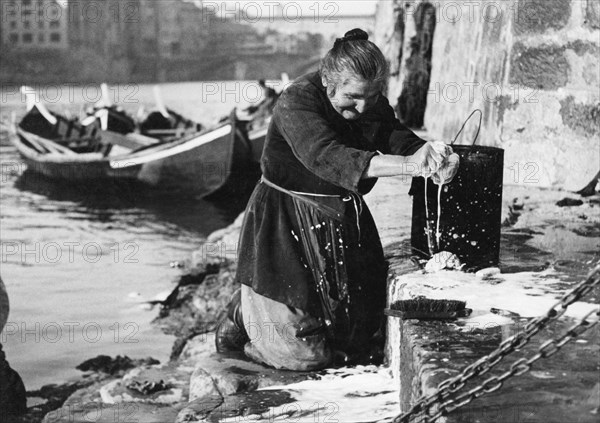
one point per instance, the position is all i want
(353, 97)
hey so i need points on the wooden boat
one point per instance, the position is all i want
(112, 118)
(165, 126)
(200, 164)
(163, 123)
(168, 125)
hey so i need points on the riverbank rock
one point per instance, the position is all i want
(111, 413)
(197, 309)
(233, 372)
(113, 366)
(150, 384)
(199, 409)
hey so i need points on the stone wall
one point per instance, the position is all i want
(531, 66)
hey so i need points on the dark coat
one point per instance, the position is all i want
(311, 148)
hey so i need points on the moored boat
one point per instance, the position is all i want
(163, 123)
(199, 164)
(168, 125)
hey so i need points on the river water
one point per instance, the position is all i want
(78, 262)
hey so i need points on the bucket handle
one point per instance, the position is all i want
(465, 123)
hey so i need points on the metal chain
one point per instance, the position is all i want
(438, 404)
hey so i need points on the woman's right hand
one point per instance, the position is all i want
(428, 159)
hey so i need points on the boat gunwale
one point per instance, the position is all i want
(95, 157)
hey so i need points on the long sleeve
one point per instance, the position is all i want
(390, 136)
(306, 124)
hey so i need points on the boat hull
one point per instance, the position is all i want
(201, 164)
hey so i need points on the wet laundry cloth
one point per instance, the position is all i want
(312, 150)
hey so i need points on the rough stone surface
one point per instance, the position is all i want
(244, 406)
(582, 118)
(505, 103)
(562, 388)
(519, 69)
(592, 14)
(459, 84)
(175, 377)
(202, 385)
(234, 373)
(390, 33)
(538, 16)
(113, 366)
(584, 47)
(544, 67)
(196, 308)
(111, 413)
(199, 409)
(591, 75)
(413, 99)
(540, 150)
(197, 348)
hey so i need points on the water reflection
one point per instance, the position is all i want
(81, 253)
(130, 201)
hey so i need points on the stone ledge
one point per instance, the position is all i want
(561, 388)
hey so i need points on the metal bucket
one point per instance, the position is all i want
(471, 207)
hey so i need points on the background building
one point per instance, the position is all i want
(34, 24)
(76, 41)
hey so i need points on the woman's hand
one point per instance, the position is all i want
(446, 173)
(430, 158)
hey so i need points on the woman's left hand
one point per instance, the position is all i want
(447, 170)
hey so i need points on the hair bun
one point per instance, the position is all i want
(356, 34)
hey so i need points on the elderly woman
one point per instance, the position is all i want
(311, 265)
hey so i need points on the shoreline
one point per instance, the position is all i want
(201, 382)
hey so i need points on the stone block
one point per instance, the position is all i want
(544, 67)
(111, 413)
(582, 48)
(199, 409)
(538, 16)
(591, 74)
(584, 119)
(592, 14)
(202, 386)
(175, 378)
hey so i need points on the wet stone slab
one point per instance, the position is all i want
(561, 388)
